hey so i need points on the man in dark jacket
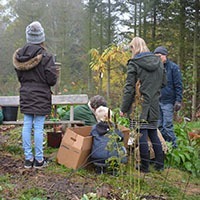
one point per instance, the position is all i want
(36, 72)
(171, 96)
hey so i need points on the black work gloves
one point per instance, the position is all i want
(177, 106)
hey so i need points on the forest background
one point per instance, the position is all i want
(90, 38)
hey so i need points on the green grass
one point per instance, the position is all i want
(32, 194)
(6, 186)
(14, 149)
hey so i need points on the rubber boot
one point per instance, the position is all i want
(159, 162)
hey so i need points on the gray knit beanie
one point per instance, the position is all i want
(162, 50)
(35, 33)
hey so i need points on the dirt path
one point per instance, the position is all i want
(51, 183)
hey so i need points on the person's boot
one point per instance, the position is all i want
(144, 166)
(159, 162)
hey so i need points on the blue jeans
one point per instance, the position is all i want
(36, 122)
(165, 123)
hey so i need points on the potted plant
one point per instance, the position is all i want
(54, 136)
(10, 113)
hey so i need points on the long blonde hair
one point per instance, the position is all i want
(138, 45)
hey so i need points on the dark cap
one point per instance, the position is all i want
(97, 101)
(162, 50)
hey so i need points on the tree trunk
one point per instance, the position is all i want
(194, 83)
(154, 24)
(90, 46)
(140, 18)
(109, 41)
(101, 48)
(145, 21)
(181, 34)
(135, 19)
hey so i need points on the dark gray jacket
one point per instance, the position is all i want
(36, 73)
(149, 69)
(102, 134)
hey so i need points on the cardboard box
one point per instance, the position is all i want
(75, 147)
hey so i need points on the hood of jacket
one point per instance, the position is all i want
(27, 57)
(147, 61)
(102, 128)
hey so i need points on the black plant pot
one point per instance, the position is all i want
(10, 113)
(54, 139)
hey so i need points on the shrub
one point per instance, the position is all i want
(186, 156)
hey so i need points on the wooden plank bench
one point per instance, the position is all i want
(71, 100)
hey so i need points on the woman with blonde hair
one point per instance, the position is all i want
(148, 69)
(138, 45)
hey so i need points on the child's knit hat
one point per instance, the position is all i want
(35, 33)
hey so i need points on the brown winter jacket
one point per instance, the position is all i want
(36, 73)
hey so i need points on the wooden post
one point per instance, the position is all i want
(58, 71)
(56, 90)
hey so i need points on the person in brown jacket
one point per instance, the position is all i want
(36, 72)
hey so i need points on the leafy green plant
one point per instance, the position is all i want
(194, 125)
(61, 110)
(120, 120)
(186, 156)
(58, 112)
